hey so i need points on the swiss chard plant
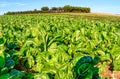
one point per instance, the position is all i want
(7, 62)
(86, 68)
(49, 46)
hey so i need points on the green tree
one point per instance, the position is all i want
(67, 8)
(45, 9)
(54, 9)
(60, 9)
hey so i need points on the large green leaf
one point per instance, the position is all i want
(15, 74)
(2, 60)
(1, 41)
(9, 62)
(5, 76)
(41, 76)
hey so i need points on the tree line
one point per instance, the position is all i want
(45, 9)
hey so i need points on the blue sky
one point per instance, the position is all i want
(106, 6)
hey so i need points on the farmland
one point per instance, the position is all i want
(49, 46)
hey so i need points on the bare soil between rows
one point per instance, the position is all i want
(110, 74)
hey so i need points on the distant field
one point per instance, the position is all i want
(95, 16)
(90, 16)
(93, 13)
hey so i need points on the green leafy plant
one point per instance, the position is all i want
(85, 68)
(7, 64)
(50, 46)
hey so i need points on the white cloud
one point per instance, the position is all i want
(6, 4)
(20, 4)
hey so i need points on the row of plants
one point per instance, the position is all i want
(57, 47)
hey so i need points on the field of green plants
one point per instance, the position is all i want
(57, 47)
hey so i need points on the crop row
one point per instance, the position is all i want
(48, 47)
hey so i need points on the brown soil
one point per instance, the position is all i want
(101, 13)
(117, 74)
(93, 13)
(21, 67)
(109, 74)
